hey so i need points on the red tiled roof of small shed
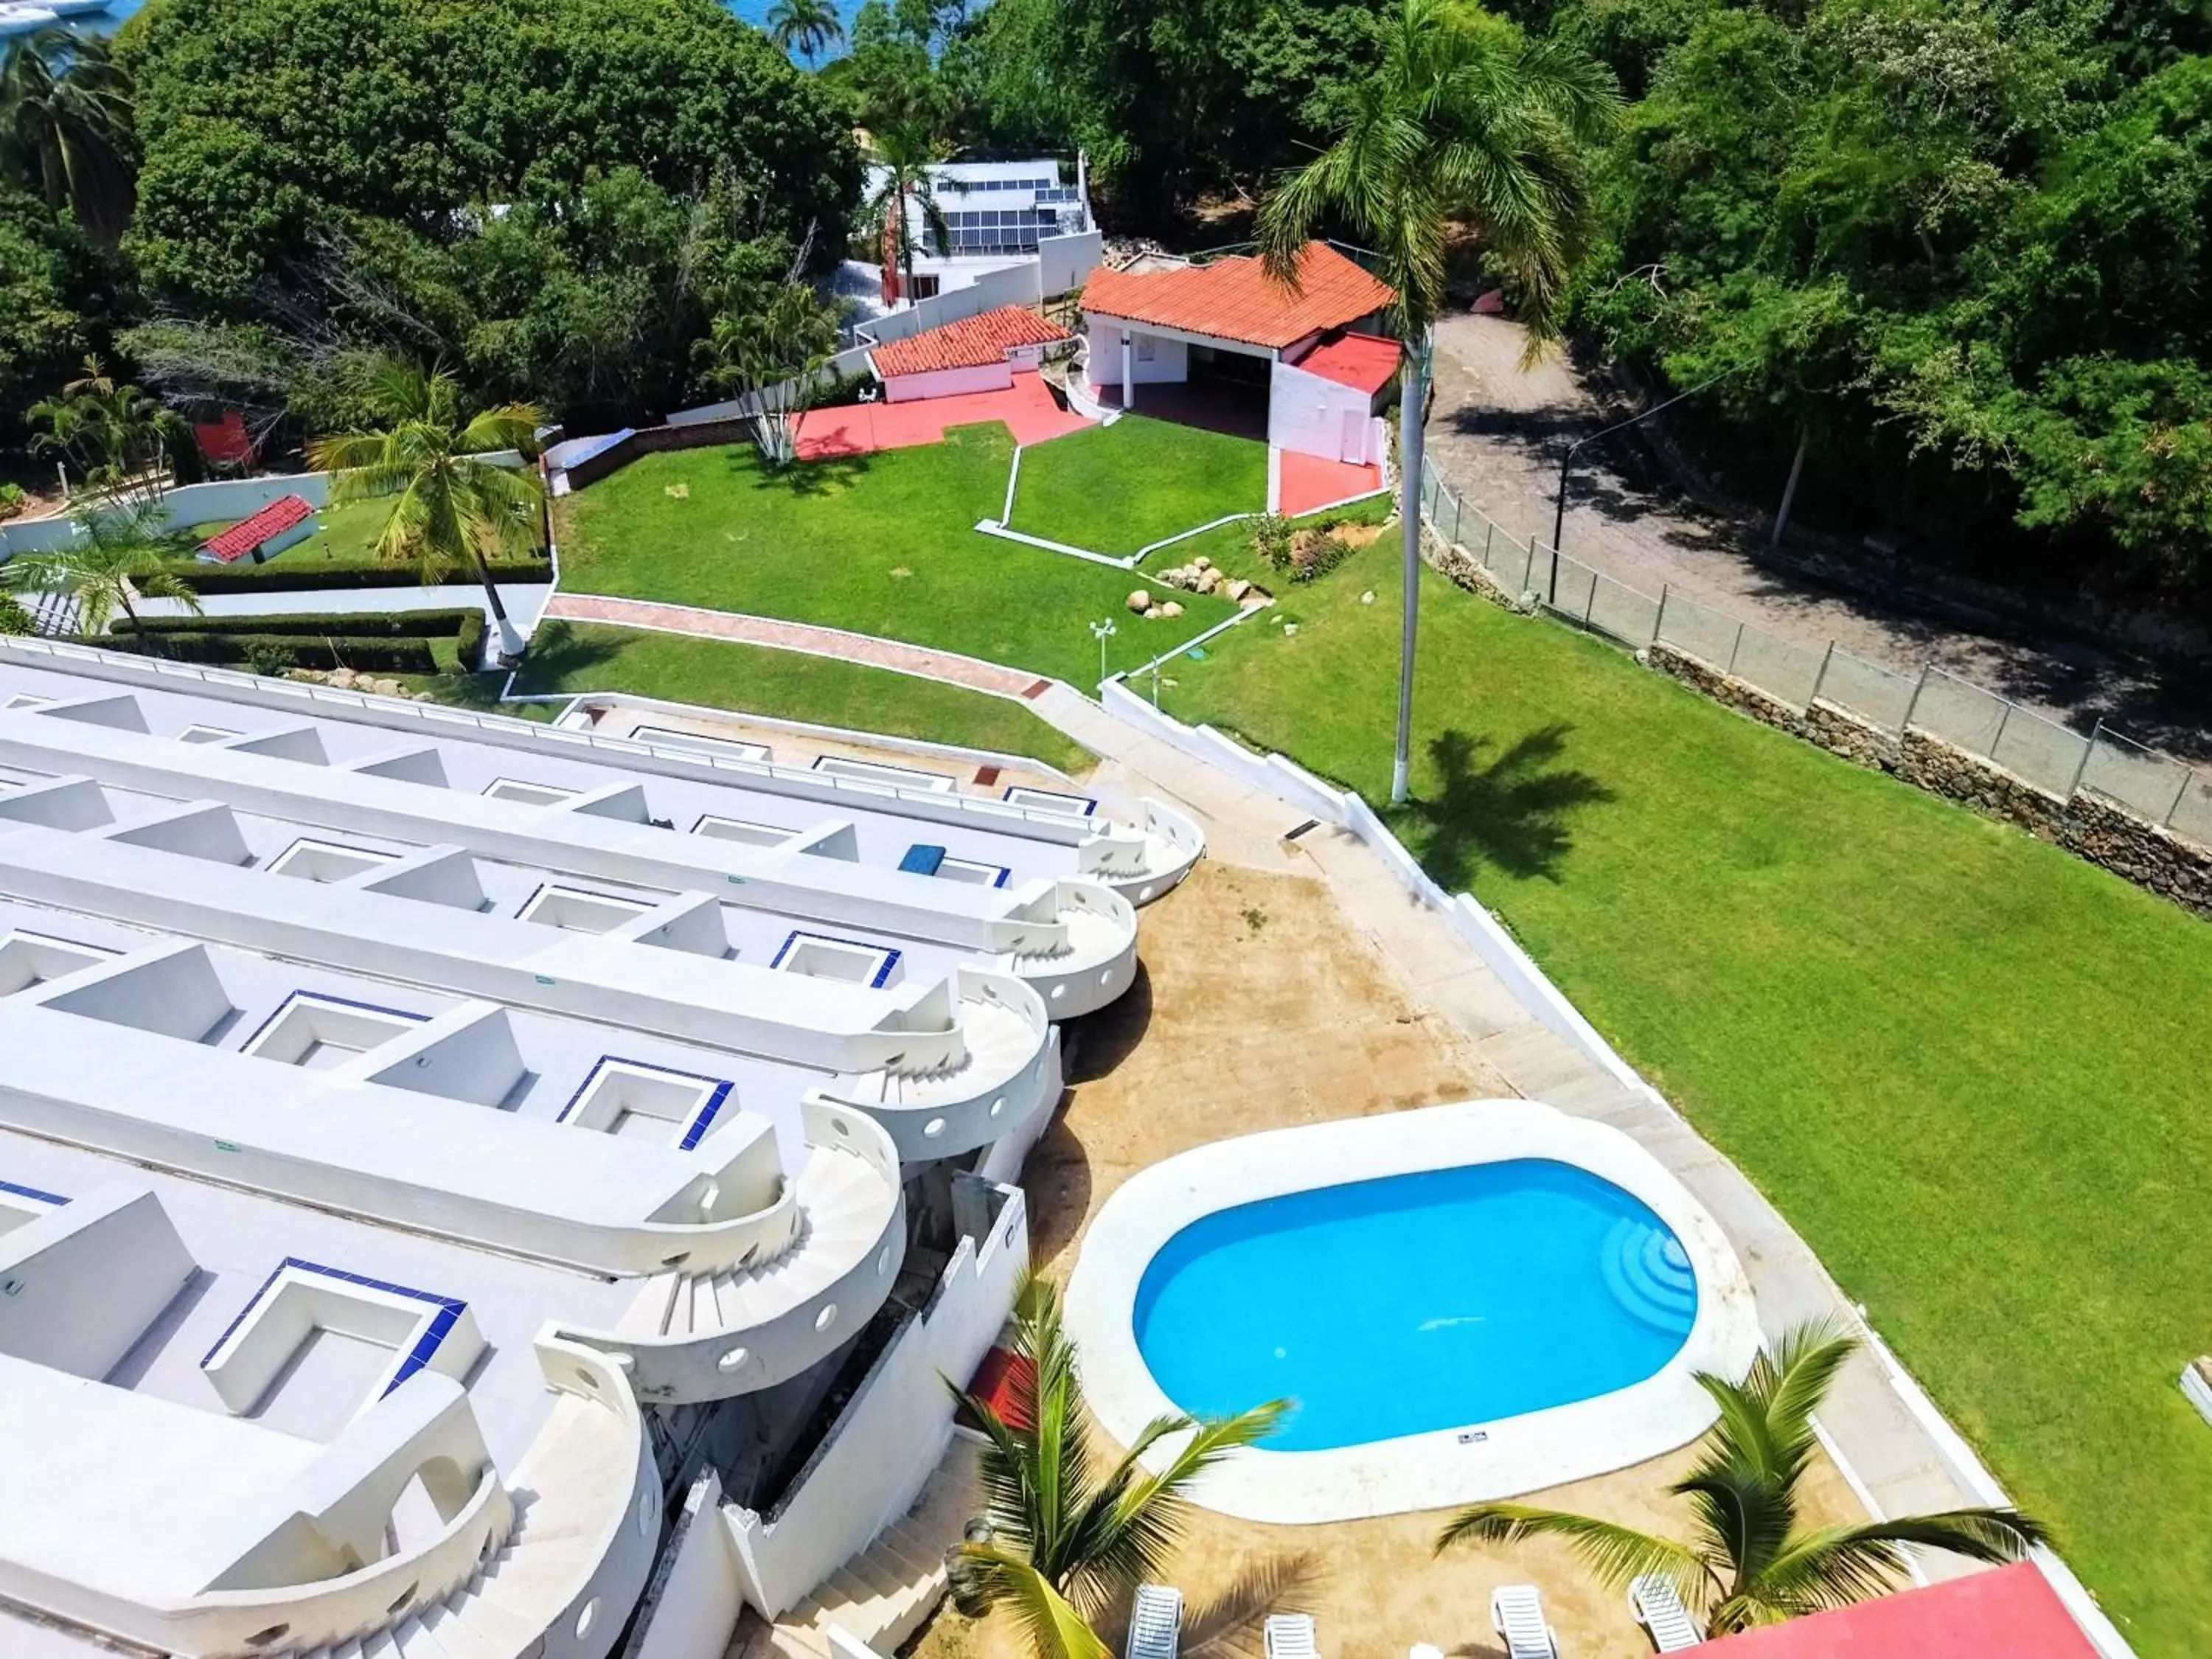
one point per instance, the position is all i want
(274, 520)
(1365, 363)
(2011, 1613)
(1236, 299)
(971, 343)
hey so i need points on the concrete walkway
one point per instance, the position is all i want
(948, 666)
(1888, 1454)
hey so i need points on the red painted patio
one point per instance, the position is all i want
(1026, 407)
(2009, 1614)
(1306, 483)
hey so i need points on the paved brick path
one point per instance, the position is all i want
(917, 660)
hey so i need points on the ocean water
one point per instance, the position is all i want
(751, 11)
(1416, 1302)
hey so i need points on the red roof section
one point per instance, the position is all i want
(1236, 299)
(971, 343)
(2012, 1613)
(225, 442)
(1006, 1383)
(242, 537)
(1365, 363)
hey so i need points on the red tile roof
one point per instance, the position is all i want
(970, 342)
(1234, 298)
(225, 442)
(1365, 363)
(242, 537)
(2012, 1611)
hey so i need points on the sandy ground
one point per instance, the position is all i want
(1260, 1006)
(1497, 433)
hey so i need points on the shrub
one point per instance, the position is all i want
(357, 624)
(272, 653)
(1271, 538)
(11, 499)
(468, 641)
(206, 578)
(1316, 553)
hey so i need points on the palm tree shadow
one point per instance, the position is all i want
(558, 651)
(824, 475)
(1512, 813)
(1274, 1584)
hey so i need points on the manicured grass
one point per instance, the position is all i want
(1115, 489)
(883, 544)
(787, 684)
(1970, 1068)
(341, 542)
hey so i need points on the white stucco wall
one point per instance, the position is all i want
(1065, 263)
(948, 382)
(697, 1598)
(1169, 360)
(1310, 416)
(83, 1282)
(892, 1435)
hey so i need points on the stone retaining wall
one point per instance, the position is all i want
(2089, 825)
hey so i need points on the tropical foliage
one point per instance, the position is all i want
(1748, 1560)
(65, 127)
(902, 202)
(453, 505)
(1066, 1539)
(114, 432)
(123, 552)
(807, 27)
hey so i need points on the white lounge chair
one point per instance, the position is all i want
(1517, 1613)
(1291, 1636)
(1155, 1623)
(1659, 1609)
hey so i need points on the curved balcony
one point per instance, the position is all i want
(1009, 1069)
(695, 1336)
(1148, 860)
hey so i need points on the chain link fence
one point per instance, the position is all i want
(2045, 752)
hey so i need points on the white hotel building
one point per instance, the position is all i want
(475, 1190)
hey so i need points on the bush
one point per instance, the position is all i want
(272, 653)
(1272, 536)
(469, 642)
(301, 579)
(356, 624)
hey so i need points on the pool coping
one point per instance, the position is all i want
(1472, 1464)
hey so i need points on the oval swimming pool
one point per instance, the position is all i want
(1440, 1299)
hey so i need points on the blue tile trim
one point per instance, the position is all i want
(1013, 789)
(922, 858)
(890, 957)
(31, 1193)
(705, 1119)
(605, 1061)
(325, 996)
(450, 1309)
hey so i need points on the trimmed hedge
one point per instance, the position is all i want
(393, 641)
(302, 579)
(266, 651)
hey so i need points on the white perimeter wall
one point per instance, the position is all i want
(697, 1600)
(892, 1437)
(1310, 416)
(949, 382)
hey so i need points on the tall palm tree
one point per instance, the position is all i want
(1063, 1542)
(452, 505)
(1457, 124)
(1748, 1562)
(807, 27)
(122, 554)
(901, 159)
(113, 430)
(65, 127)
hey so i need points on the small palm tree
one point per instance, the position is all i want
(901, 159)
(1748, 1562)
(1063, 1543)
(1458, 123)
(112, 430)
(775, 355)
(122, 554)
(807, 27)
(452, 505)
(66, 126)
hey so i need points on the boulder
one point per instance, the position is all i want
(1201, 562)
(1169, 611)
(1237, 587)
(1208, 579)
(1140, 600)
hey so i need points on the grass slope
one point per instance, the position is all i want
(882, 545)
(1115, 489)
(1968, 1066)
(785, 684)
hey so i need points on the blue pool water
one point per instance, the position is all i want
(1417, 1302)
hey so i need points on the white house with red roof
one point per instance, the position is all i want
(1308, 352)
(976, 354)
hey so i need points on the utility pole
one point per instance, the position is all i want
(1567, 460)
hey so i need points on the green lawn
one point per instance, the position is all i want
(341, 542)
(1970, 1068)
(1115, 489)
(787, 684)
(882, 545)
